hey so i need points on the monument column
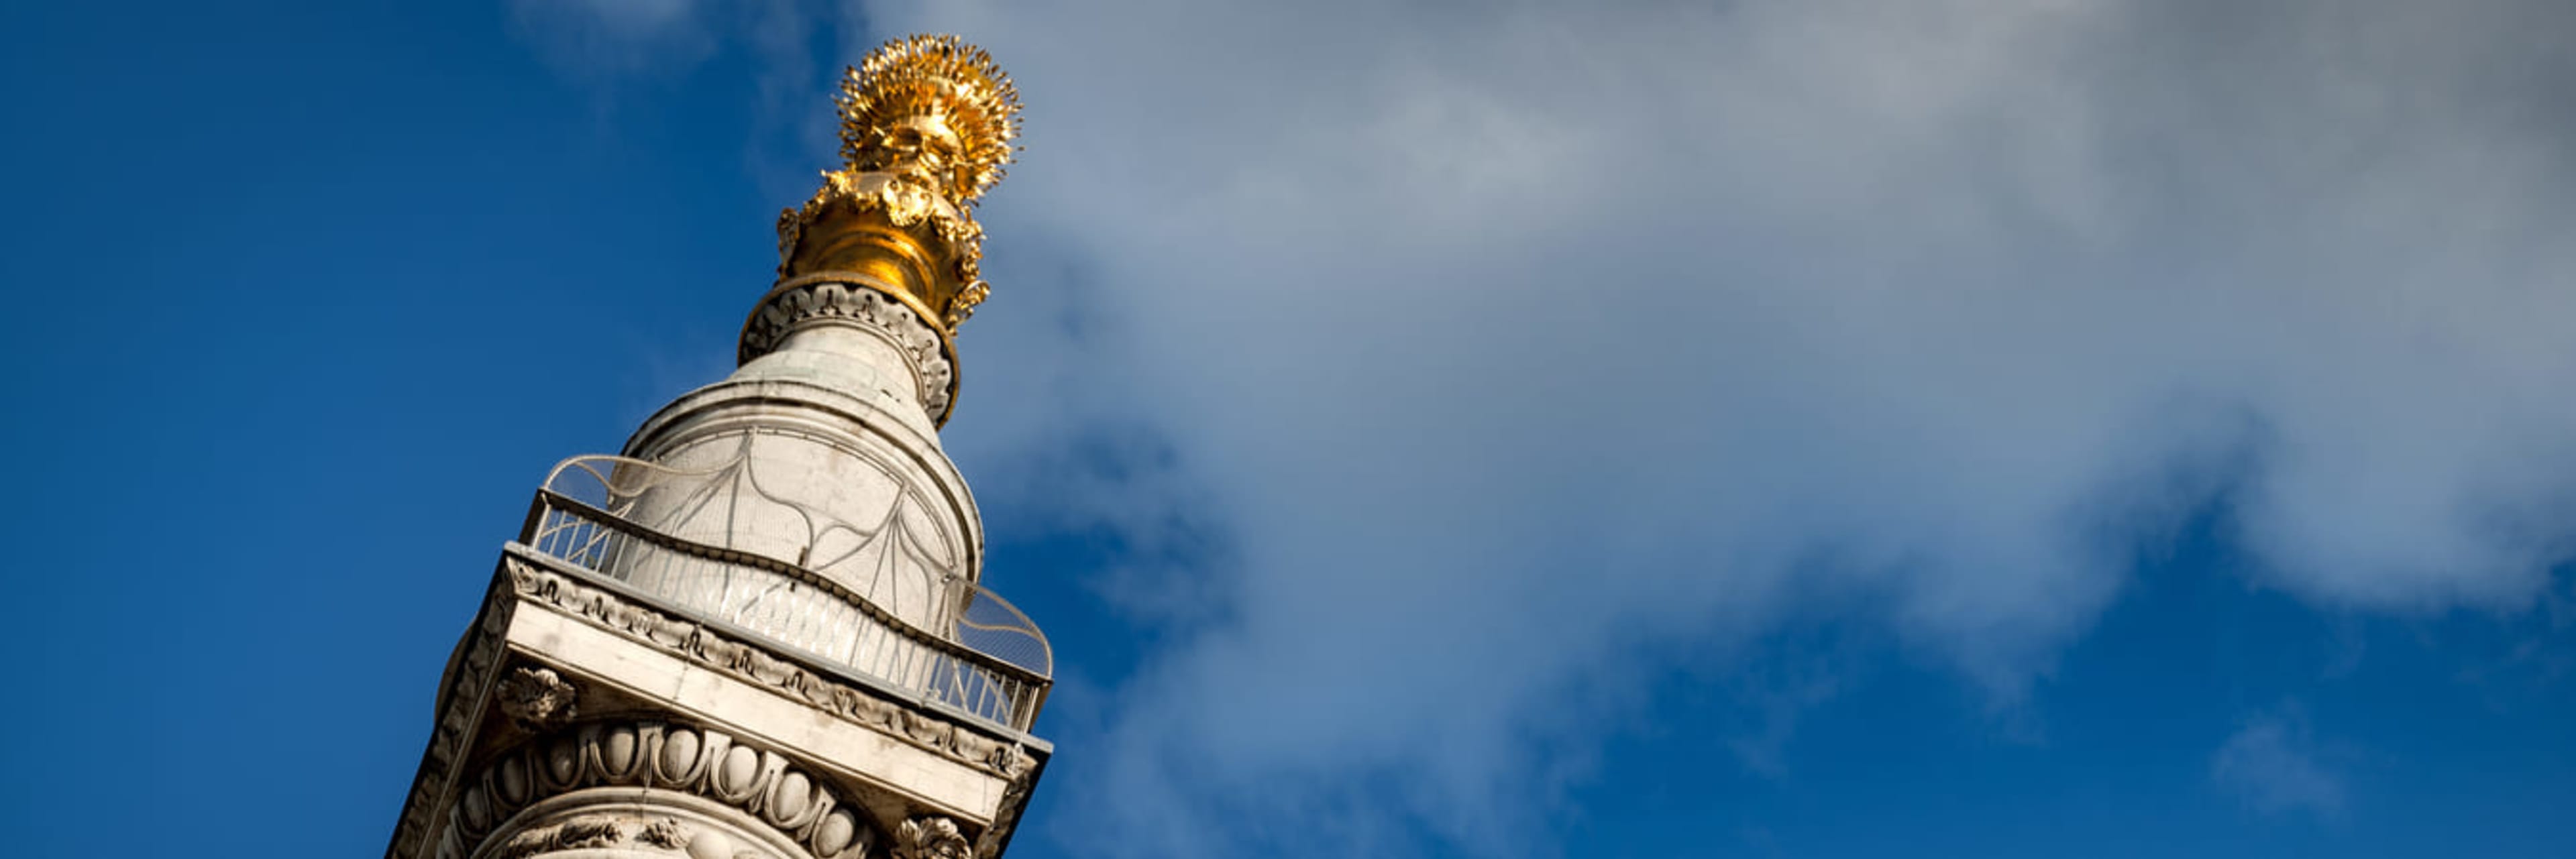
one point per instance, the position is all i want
(761, 630)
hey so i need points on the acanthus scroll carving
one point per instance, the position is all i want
(536, 699)
(595, 831)
(931, 837)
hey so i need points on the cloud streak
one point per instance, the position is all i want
(2270, 764)
(605, 39)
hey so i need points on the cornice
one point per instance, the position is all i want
(756, 664)
(463, 690)
(540, 700)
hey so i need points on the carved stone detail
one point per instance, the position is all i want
(1015, 800)
(593, 831)
(505, 784)
(468, 677)
(536, 699)
(931, 837)
(664, 832)
(891, 318)
(763, 783)
(751, 662)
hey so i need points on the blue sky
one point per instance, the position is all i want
(1808, 429)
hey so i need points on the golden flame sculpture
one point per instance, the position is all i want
(927, 124)
(933, 104)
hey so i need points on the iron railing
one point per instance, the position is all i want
(988, 660)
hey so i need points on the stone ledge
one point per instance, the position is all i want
(900, 760)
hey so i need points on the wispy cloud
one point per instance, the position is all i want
(1513, 341)
(602, 39)
(2271, 765)
(608, 43)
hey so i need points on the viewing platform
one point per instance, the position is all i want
(980, 656)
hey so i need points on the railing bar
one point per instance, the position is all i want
(588, 551)
(671, 562)
(668, 583)
(902, 663)
(639, 569)
(617, 561)
(850, 655)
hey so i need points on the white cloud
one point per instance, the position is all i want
(605, 38)
(2271, 765)
(1520, 342)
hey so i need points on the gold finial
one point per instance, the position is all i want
(933, 107)
(927, 124)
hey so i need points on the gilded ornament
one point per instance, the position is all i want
(927, 126)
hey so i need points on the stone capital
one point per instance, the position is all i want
(568, 685)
